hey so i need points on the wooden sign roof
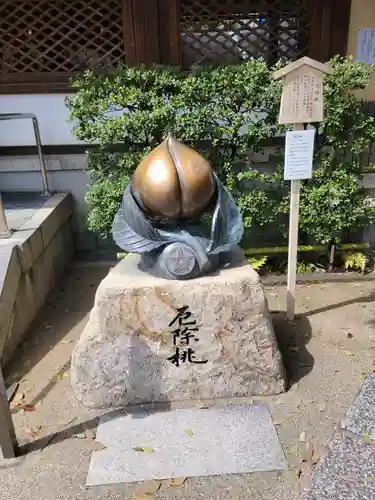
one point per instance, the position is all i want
(303, 61)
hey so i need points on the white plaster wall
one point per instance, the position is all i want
(52, 114)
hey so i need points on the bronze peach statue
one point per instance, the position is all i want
(177, 214)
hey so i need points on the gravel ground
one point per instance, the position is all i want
(328, 351)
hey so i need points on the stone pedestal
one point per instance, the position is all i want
(149, 339)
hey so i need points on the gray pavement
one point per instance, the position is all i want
(348, 471)
(20, 207)
(328, 352)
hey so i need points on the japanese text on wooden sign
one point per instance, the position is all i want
(302, 99)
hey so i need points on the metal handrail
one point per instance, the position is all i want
(43, 171)
(4, 229)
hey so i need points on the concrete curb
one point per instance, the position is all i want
(319, 278)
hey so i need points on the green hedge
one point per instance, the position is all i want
(228, 113)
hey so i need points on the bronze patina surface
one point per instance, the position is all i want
(173, 181)
(161, 214)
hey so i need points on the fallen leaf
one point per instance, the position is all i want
(315, 458)
(79, 436)
(28, 408)
(34, 431)
(348, 353)
(322, 407)
(17, 400)
(235, 494)
(178, 481)
(90, 433)
(367, 437)
(149, 488)
(370, 478)
(304, 473)
(307, 452)
(144, 449)
(293, 449)
(189, 432)
(166, 483)
(95, 445)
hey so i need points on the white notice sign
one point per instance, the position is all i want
(366, 46)
(299, 151)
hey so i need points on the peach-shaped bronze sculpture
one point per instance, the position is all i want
(174, 182)
(161, 214)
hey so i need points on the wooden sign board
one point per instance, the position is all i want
(301, 103)
(302, 96)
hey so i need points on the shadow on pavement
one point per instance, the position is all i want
(331, 307)
(67, 305)
(90, 425)
(292, 337)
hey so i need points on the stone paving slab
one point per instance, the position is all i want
(186, 443)
(347, 472)
(360, 417)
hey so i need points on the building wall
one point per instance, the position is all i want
(362, 15)
(52, 115)
(67, 172)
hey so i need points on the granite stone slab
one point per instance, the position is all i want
(186, 443)
(360, 417)
(347, 472)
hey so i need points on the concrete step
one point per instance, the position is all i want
(31, 259)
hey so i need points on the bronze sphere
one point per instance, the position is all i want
(174, 182)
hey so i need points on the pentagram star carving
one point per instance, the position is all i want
(181, 261)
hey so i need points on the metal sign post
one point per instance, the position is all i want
(301, 103)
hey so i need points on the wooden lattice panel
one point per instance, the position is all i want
(232, 31)
(59, 36)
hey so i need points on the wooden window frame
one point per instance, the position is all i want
(151, 34)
